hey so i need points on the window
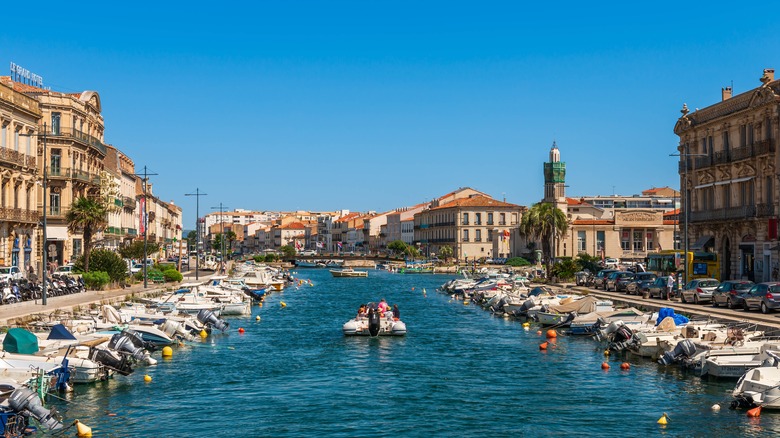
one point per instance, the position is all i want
(55, 123)
(767, 129)
(56, 159)
(490, 235)
(29, 145)
(3, 134)
(502, 219)
(514, 218)
(581, 242)
(465, 219)
(490, 219)
(638, 243)
(750, 134)
(76, 248)
(726, 193)
(600, 243)
(649, 241)
(624, 242)
(726, 142)
(768, 190)
(477, 218)
(54, 203)
(746, 193)
(465, 235)
(16, 140)
(478, 235)
(742, 136)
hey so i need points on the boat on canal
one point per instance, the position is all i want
(759, 387)
(348, 272)
(375, 323)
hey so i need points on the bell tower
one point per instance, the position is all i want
(555, 179)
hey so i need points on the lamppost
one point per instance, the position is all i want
(145, 224)
(222, 232)
(45, 254)
(197, 196)
(685, 206)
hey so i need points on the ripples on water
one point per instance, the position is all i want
(458, 372)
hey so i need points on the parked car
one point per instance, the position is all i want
(763, 296)
(658, 287)
(699, 290)
(64, 269)
(600, 280)
(10, 273)
(618, 279)
(640, 282)
(307, 252)
(731, 293)
(136, 267)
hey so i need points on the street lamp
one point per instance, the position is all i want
(222, 232)
(45, 254)
(197, 196)
(685, 206)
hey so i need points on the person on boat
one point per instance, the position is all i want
(383, 307)
(396, 312)
(362, 311)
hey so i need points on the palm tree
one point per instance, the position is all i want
(90, 217)
(544, 221)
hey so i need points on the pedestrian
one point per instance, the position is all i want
(30, 272)
(669, 287)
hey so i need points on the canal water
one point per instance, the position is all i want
(458, 372)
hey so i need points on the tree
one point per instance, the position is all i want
(544, 221)
(136, 249)
(216, 244)
(104, 260)
(397, 246)
(231, 237)
(90, 217)
(192, 240)
(446, 252)
(589, 262)
(288, 251)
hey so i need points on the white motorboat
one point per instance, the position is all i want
(374, 325)
(348, 272)
(759, 386)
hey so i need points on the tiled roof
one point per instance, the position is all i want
(294, 226)
(672, 213)
(572, 201)
(476, 201)
(347, 218)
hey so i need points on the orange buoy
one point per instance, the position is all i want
(755, 412)
(552, 333)
(604, 366)
(241, 330)
(625, 366)
(543, 346)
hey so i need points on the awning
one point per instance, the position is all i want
(702, 242)
(56, 233)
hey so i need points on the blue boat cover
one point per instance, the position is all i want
(668, 311)
(60, 332)
(19, 340)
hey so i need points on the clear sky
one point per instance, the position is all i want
(373, 105)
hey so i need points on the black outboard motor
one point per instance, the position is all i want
(112, 360)
(125, 343)
(374, 322)
(208, 317)
(684, 348)
(22, 399)
(619, 335)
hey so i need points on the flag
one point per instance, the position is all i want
(319, 245)
(297, 245)
(339, 245)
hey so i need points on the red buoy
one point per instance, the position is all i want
(543, 346)
(604, 366)
(755, 412)
(625, 366)
(241, 330)
(552, 333)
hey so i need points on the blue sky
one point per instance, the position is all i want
(377, 105)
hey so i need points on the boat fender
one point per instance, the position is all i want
(755, 412)
(82, 430)
(543, 346)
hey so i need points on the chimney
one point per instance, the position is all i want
(769, 75)
(725, 93)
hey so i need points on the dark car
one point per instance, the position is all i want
(763, 296)
(658, 287)
(601, 278)
(640, 282)
(731, 293)
(617, 278)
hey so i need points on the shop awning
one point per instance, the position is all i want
(704, 241)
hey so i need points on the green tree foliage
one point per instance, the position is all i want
(106, 261)
(192, 240)
(542, 222)
(287, 251)
(136, 249)
(446, 252)
(589, 262)
(518, 262)
(89, 217)
(565, 269)
(172, 275)
(231, 239)
(96, 280)
(397, 247)
(271, 257)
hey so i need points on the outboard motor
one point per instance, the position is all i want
(620, 336)
(125, 343)
(23, 399)
(112, 360)
(374, 322)
(684, 348)
(208, 317)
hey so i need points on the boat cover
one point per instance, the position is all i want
(581, 306)
(19, 340)
(59, 331)
(669, 312)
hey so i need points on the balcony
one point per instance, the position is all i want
(756, 149)
(130, 231)
(490, 222)
(19, 215)
(128, 202)
(74, 134)
(465, 239)
(724, 214)
(16, 158)
(478, 239)
(65, 173)
(114, 231)
(464, 223)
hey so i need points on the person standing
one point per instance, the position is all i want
(669, 287)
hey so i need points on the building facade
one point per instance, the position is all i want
(728, 174)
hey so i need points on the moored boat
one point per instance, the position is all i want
(348, 272)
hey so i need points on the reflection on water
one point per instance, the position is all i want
(459, 371)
